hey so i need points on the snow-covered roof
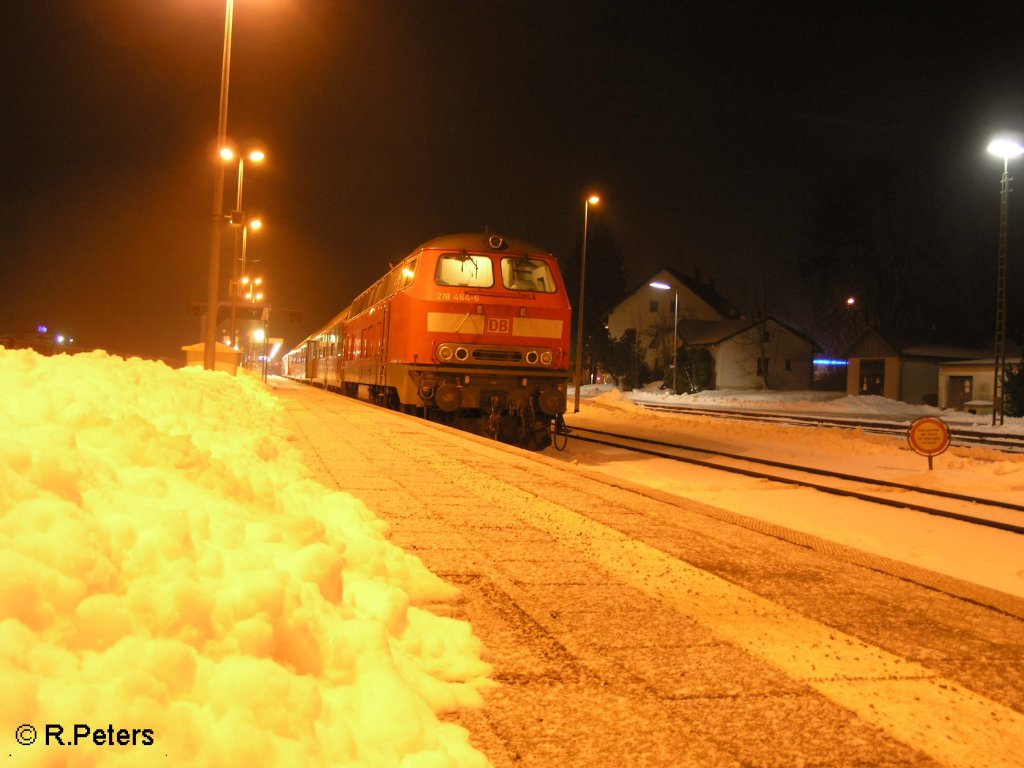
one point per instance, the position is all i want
(698, 333)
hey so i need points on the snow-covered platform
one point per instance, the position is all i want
(631, 627)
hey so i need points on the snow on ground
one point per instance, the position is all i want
(169, 566)
(984, 556)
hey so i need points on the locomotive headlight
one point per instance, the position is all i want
(444, 352)
(461, 354)
(531, 357)
(546, 357)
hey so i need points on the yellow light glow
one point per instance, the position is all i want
(257, 156)
(256, 224)
(245, 280)
(226, 153)
(408, 273)
(593, 199)
(259, 334)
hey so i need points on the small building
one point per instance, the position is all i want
(966, 385)
(225, 358)
(752, 354)
(902, 366)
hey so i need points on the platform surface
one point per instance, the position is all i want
(627, 627)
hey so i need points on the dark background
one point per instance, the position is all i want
(815, 149)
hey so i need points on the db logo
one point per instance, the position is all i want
(499, 325)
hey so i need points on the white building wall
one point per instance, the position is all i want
(736, 360)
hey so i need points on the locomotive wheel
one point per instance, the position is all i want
(539, 437)
(510, 431)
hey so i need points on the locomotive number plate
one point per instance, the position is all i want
(449, 296)
(499, 325)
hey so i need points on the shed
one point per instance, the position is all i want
(901, 365)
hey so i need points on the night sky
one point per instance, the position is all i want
(720, 135)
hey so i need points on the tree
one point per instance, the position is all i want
(623, 358)
(696, 368)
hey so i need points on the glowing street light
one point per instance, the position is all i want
(213, 284)
(253, 284)
(592, 200)
(675, 333)
(1004, 148)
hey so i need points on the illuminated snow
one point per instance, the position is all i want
(993, 558)
(169, 563)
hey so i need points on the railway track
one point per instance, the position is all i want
(959, 436)
(991, 513)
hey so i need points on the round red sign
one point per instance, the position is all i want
(929, 436)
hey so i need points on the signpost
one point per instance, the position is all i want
(929, 436)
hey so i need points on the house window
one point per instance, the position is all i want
(789, 365)
(654, 306)
(762, 365)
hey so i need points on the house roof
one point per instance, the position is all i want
(704, 291)
(914, 343)
(698, 333)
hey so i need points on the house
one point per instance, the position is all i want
(752, 354)
(649, 313)
(904, 366)
(737, 351)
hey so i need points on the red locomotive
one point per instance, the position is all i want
(466, 326)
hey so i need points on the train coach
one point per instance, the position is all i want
(469, 326)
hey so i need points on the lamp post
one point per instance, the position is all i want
(213, 284)
(675, 333)
(592, 200)
(238, 219)
(1004, 148)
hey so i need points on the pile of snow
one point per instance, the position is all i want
(169, 564)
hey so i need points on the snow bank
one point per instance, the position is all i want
(169, 566)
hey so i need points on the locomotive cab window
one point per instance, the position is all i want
(465, 271)
(408, 273)
(527, 275)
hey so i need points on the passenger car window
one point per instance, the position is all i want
(465, 271)
(527, 275)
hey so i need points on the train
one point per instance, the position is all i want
(469, 328)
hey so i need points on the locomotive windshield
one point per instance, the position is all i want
(524, 274)
(465, 271)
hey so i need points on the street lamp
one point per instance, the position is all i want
(213, 287)
(1004, 148)
(238, 219)
(255, 292)
(592, 200)
(675, 333)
